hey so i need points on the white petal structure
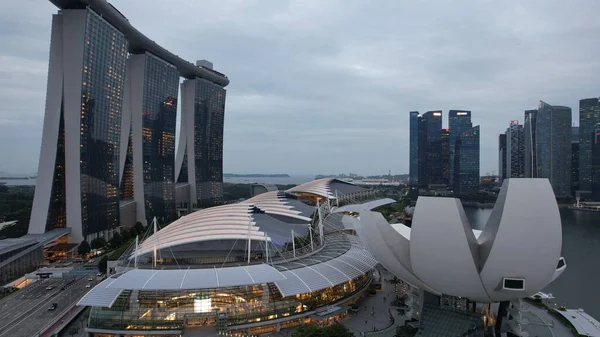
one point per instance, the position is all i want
(516, 254)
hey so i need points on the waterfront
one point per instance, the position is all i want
(578, 286)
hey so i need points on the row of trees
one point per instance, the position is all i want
(117, 240)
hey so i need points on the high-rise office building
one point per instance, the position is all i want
(148, 134)
(109, 124)
(459, 121)
(589, 120)
(466, 164)
(595, 165)
(515, 154)
(199, 159)
(553, 146)
(432, 160)
(530, 158)
(445, 156)
(502, 156)
(78, 174)
(413, 170)
(574, 159)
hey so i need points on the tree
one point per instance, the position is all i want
(84, 248)
(126, 235)
(133, 232)
(312, 330)
(98, 243)
(116, 240)
(139, 227)
(102, 264)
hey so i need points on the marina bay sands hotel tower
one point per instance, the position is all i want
(108, 144)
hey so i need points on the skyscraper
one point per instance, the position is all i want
(530, 158)
(413, 170)
(109, 124)
(459, 121)
(574, 159)
(502, 156)
(553, 146)
(199, 159)
(595, 167)
(148, 124)
(589, 120)
(467, 162)
(78, 174)
(445, 156)
(433, 148)
(515, 155)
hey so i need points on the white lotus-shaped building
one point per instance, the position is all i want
(515, 255)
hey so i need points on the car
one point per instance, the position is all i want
(88, 285)
(99, 274)
(90, 279)
(53, 306)
(49, 287)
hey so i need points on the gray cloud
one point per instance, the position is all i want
(326, 86)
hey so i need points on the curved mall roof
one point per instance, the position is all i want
(139, 42)
(515, 255)
(328, 188)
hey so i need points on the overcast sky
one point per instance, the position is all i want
(325, 86)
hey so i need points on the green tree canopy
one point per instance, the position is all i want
(98, 243)
(102, 264)
(116, 240)
(133, 232)
(312, 330)
(84, 248)
(139, 227)
(126, 235)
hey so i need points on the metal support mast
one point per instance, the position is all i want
(135, 255)
(293, 243)
(249, 241)
(320, 222)
(154, 252)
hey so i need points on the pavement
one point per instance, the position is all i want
(25, 313)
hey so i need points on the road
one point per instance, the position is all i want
(25, 313)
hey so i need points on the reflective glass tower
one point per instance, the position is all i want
(515, 151)
(553, 147)
(150, 107)
(459, 121)
(574, 159)
(467, 162)
(502, 156)
(200, 154)
(413, 170)
(589, 121)
(530, 158)
(445, 156)
(82, 127)
(433, 148)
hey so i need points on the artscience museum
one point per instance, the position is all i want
(285, 258)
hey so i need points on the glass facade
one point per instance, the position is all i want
(459, 121)
(589, 120)
(104, 59)
(553, 147)
(31, 260)
(515, 147)
(57, 209)
(529, 144)
(595, 165)
(445, 156)
(502, 156)
(224, 307)
(414, 148)
(161, 85)
(467, 162)
(574, 159)
(433, 148)
(126, 188)
(209, 114)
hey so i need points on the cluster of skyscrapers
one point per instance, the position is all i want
(441, 156)
(110, 126)
(549, 146)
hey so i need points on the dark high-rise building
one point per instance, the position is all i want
(502, 156)
(466, 165)
(82, 127)
(595, 167)
(200, 154)
(445, 156)
(574, 159)
(515, 154)
(529, 144)
(553, 147)
(109, 124)
(459, 121)
(413, 170)
(589, 121)
(432, 121)
(150, 112)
